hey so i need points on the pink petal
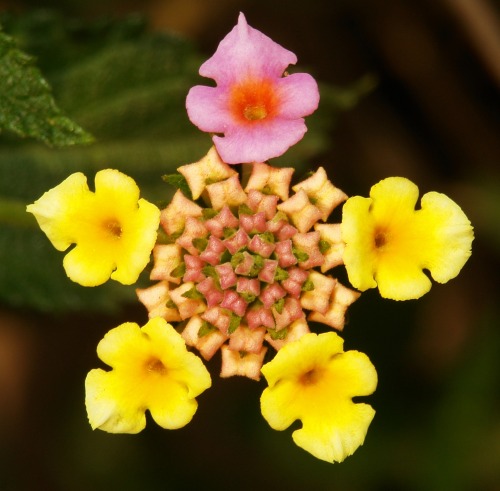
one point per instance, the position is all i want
(259, 142)
(208, 108)
(246, 47)
(299, 95)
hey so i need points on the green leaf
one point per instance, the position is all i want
(200, 243)
(275, 335)
(280, 274)
(234, 323)
(27, 107)
(300, 255)
(205, 329)
(307, 286)
(324, 246)
(279, 305)
(179, 271)
(193, 294)
(179, 182)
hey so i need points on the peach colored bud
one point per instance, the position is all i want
(208, 169)
(208, 344)
(155, 299)
(301, 211)
(243, 364)
(295, 331)
(228, 192)
(166, 258)
(322, 192)
(342, 297)
(318, 299)
(273, 179)
(248, 340)
(330, 233)
(173, 217)
(187, 306)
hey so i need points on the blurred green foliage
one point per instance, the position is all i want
(126, 86)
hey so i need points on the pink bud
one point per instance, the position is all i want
(209, 289)
(234, 302)
(285, 255)
(268, 271)
(271, 294)
(213, 251)
(260, 246)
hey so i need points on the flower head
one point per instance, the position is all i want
(258, 110)
(239, 271)
(314, 380)
(389, 243)
(114, 231)
(151, 370)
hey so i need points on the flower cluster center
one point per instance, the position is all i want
(246, 267)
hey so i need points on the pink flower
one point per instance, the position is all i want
(259, 111)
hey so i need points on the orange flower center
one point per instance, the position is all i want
(253, 100)
(156, 366)
(113, 227)
(311, 377)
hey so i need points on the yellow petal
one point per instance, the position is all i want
(450, 236)
(389, 243)
(56, 210)
(151, 369)
(313, 380)
(114, 231)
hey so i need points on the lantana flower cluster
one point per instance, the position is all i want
(243, 262)
(251, 266)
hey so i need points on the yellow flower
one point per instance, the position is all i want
(151, 370)
(389, 243)
(314, 380)
(114, 231)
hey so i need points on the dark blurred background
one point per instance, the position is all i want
(432, 115)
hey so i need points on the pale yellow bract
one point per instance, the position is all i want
(114, 231)
(314, 380)
(151, 370)
(388, 243)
